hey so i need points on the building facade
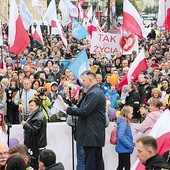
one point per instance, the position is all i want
(5, 6)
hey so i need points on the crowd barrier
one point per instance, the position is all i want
(59, 140)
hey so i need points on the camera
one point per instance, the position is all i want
(42, 91)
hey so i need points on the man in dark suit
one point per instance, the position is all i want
(90, 132)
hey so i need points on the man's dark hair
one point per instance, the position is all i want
(15, 163)
(89, 72)
(47, 157)
(148, 141)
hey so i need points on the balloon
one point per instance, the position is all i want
(117, 113)
(112, 113)
(13, 142)
(113, 79)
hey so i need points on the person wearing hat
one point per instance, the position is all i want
(106, 70)
(17, 65)
(54, 93)
(131, 97)
(144, 110)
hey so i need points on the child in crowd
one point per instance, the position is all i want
(124, 146)
(112, 96)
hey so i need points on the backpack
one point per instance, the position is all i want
(113, 136)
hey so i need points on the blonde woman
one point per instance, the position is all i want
(2, 99)
(124, 146)
(156, 94)
(3, 129)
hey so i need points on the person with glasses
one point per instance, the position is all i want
(3, 155)
(90, 133)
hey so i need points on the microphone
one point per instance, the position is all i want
(70, 95)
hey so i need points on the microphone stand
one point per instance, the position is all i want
(73, 130)
(8, 132)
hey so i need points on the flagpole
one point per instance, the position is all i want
(3, 17)
(166, 26)
(108, 16)
(165, 19)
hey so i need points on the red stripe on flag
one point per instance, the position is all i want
(21, 38)
(139, 68)
(131, 25)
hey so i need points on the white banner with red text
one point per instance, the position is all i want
(111, 43)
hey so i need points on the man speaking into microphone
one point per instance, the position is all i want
(90, 133)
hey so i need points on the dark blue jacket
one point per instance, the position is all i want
(125, 138)
(91, 122)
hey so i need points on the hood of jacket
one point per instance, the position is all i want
(156, 161)
(58, 166)
(120, 119)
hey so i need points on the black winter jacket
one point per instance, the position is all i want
(35, 130)
(58, 166)
(156, 162)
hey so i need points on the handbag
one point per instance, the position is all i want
(113, 136)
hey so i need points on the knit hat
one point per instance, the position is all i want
(126, 89)
(108, 65)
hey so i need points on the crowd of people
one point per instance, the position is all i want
(28, 93)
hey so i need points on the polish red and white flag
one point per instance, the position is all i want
(1, 39)
(132, 21)
(61, 32)
(160, 131)
(18, 38)
(38, 6)
(164, 14)
(51, 13)
(90, 12)
(64, 8)
(94, 26)
(138, 65)
(82, 12)
(37, 33)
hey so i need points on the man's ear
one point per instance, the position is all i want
(41, 166)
